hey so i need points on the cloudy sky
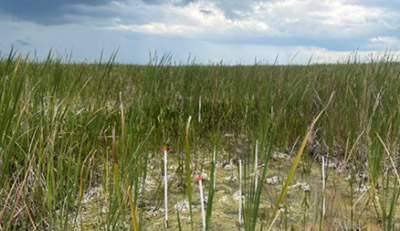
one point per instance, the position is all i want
(207, 31)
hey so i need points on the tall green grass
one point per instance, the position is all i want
(60, 120)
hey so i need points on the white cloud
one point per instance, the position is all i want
(385, 42)
(194, 19)
(326, 18)
(157, 28)
(317, 19)
(260, 29)
(88, 43)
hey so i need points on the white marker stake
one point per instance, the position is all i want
(245, 114)
(323, 186)
(272, 111)
(255, 166)
(166, 187)
(199, 109)
(202, 203)
(215, 169)
(240, 193)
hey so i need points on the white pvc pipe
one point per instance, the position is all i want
(245, 115)
(323, 186)
(202, 203)
(240, 193)
(199, 109)
(272, 111)
(165, 187)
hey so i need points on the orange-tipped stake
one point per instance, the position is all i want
(165, 187)
(202, 203)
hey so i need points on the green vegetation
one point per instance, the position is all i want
(69, 128)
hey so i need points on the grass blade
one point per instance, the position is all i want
(188, 172)
(132, 207)
(298, 157)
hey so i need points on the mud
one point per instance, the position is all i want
(302, 208)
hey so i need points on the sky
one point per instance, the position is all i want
(203, 31)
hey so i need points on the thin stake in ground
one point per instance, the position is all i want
(165, 188)
(203, 217)
(238, 223)
(323, 186)
(199, 109)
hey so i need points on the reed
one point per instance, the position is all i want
(211, 190)
(68, 130)
(297, 159)
(188, 172)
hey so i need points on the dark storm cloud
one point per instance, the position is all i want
(44, 11)
(53, 12)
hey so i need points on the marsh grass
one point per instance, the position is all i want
(188, 172)
(69, 128)
(298, 157)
